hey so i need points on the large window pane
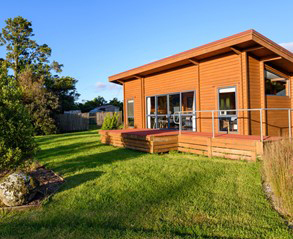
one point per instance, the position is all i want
(151, 105)
(275, 84)
(228, 124)
(187, 122)
(174, 103)
(151, 122)
(188, 102)
(130, 113)
(162, 105)
(172, 124)
(130, 108)
(162, 122)
(227, 101)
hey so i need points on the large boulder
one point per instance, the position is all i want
(16, 189)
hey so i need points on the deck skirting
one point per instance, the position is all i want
(231, 148)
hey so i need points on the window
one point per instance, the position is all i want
(275, 84)
(227, 103)
(162, 111)
(130, 113)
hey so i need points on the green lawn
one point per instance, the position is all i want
(118, 193)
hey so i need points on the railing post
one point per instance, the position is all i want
(260, 119)
(289, 122)
(213, 117)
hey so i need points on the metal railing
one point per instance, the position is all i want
(261, 110)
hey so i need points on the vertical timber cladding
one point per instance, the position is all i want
(172, 81)
(254, 94)
(219, 72)
(132, 91)
(179, 79)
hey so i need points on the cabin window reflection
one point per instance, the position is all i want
(130, 113)
(276, 84)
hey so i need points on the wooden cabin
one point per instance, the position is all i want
(221, 85)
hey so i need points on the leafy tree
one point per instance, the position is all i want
(23, 54)
(64, 88)
(116, 102)
(39, 102)
(91, 104)
(21, 49)
(17, 143)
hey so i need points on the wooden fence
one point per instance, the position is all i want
(73, 122)
(81, 121)
(100, 117)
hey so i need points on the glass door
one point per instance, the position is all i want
(227, 103)
(188, 117)
(162, 111)
(174, 107)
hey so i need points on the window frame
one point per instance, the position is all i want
(227, 116)
(281, 74)
(132, 117)
(168, 115)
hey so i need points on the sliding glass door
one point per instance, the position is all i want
(163, 111)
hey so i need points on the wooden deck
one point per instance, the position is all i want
(230, 146)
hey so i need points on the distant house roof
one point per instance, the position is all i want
(105, 108)
(248, 41)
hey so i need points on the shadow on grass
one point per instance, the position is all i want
(65, 137)
(78, 179)
(95, 160)
(68, 149)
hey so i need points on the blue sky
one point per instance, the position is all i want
(96, 39)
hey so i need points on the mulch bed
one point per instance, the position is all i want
(49, 182)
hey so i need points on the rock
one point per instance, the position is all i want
(16, 189)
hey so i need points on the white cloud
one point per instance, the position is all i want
(102, 86)
(288, 46)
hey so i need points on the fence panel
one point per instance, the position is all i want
(73, 122)
(100, 117)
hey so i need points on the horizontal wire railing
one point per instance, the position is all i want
(261, 110)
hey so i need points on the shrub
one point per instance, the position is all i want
(278, 170)
(110, 122)
(38, 101)
(17, 143)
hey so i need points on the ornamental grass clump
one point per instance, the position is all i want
(110, 122)
(278, 171)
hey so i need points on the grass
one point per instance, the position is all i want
(278, 169)
(119, 193)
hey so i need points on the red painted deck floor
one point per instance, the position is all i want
(157, 132)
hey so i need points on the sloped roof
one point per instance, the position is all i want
(247, 40)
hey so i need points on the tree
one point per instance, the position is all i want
(17, 143)
(116, 102)
(24, 54)
(64, 88)
(91, 104)
(39, 102)
(21, 49)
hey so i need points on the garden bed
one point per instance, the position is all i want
(49, 182)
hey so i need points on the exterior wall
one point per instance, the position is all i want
(254, 97)
(132, 90)
(231, 70)
(177, 80)
(218, 73)
(277, 121)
